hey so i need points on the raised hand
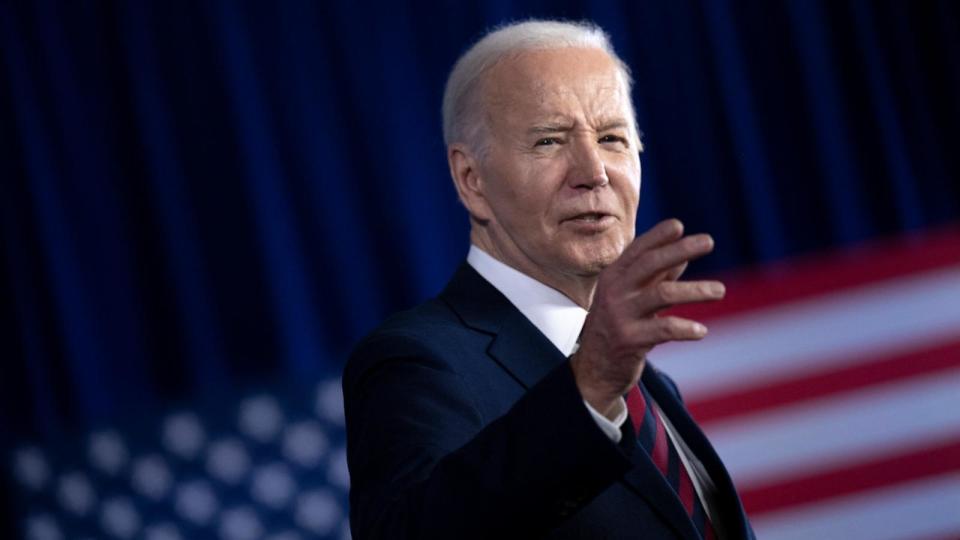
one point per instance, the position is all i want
(623, 326)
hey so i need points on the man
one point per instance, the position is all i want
(498, 409)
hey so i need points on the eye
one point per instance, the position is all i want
(612, 139)
(547, 141)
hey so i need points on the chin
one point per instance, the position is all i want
(592, 262)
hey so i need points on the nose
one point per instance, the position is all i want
(587, 170)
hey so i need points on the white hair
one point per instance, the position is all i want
(462, 108)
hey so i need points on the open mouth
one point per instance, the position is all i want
(588, 217)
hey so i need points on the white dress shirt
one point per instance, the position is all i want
(560, 319)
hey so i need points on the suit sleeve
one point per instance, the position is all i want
(425, 464)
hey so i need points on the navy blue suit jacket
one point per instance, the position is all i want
(464, 421)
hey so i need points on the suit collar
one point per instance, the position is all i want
(516, 344)
(555, 315)
(478, 304)
(731, 509)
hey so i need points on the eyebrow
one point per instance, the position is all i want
(550, 128)
(614, 124)
(555, 127)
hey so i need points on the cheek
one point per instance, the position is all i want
(631, 173)
(535, 189)
(627, 168)
(628, 196)
(520, 203)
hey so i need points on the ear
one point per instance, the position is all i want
(464, 168)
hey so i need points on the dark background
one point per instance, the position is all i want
(195, 195)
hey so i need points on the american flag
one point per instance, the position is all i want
(830, 386)
(268, 463)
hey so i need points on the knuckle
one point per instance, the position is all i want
(665, 292)
(673, 226)
(671, 328)
(653, 260)
(664, 328)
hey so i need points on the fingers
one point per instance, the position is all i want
(674, 273)
(662, 252)
(659, 260)
(664, 329)
(668, 230)
(622, 325)
(664, 294)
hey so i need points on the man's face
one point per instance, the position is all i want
(561, 175)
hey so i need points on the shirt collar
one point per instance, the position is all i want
(557, 317)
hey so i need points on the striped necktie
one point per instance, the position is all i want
(652, 436)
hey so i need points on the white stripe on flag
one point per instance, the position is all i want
(846, 328)
(923, 509)
(847, 428)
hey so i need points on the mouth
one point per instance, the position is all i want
(589, 217)
(590, 222)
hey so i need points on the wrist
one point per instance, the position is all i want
(592, 391)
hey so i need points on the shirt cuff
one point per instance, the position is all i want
(610, 428)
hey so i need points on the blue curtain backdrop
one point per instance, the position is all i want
(200, 194)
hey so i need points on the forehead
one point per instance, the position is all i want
(557, 82)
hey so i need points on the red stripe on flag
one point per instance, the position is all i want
(883, 472)
(707, 409)
(802, 277)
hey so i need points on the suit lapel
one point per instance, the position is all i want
(731, 509)
(516, 344)
(527, 355)
(646, 481)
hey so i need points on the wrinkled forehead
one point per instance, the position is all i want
(569, 81)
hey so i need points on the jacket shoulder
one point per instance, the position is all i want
(429, 332)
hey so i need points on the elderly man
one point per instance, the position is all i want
(519, 402)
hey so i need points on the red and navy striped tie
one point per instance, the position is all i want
(652, 436)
